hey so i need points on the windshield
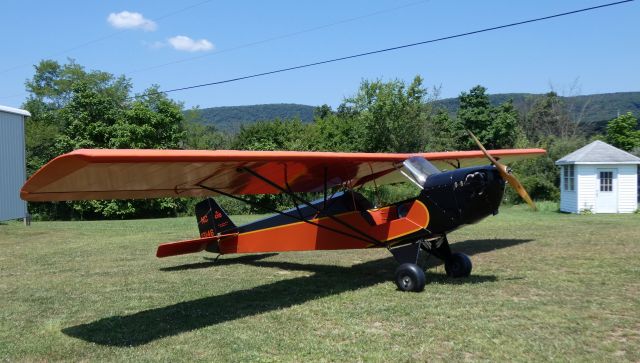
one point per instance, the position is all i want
(417, 169)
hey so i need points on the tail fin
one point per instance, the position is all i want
(212, 219)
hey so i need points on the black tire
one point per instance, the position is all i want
(459, 265)
(410, 277)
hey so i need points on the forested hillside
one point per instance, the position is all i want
(593, 111)
(230, 118)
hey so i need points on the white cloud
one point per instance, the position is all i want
(129, 20)
(182, 42)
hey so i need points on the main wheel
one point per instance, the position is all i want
(410, 277)
(459, 265)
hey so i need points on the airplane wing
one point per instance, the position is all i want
(134, 174)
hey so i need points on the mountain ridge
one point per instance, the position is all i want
(594, 110)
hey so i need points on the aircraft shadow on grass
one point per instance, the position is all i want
(149, 325)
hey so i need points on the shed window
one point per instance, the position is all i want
(568, 177)
(606, 181)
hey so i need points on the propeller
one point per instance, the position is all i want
(505, 173)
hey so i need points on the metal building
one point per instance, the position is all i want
(12, 162)
(599, 178)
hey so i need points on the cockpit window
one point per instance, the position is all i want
(417, 169)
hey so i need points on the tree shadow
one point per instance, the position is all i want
(149, 325)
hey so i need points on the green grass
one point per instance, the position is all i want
(545, 286)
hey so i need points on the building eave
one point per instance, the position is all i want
(15, 111)
(597, 162)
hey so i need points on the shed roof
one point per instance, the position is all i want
(16, 111)
(599, 152)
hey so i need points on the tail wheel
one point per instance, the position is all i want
(458, 265)
(410, 277)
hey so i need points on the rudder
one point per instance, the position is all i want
(212, 219)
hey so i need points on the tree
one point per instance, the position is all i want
(200, 136)
(495, 126)
(94, 119)
(540, 176)
(622, 132)
(440, 132)
(391, 114)
(323, 111)
(50, 90)
(338, 132)
(273, 135)
(53, 84)
(93, 110)
(549, 116)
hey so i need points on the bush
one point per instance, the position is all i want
(538, 189)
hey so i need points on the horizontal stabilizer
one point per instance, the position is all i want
(184, 247)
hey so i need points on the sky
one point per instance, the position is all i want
(181, 43)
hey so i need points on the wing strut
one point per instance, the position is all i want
(301, 200)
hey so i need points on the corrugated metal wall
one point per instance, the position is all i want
(12, 166)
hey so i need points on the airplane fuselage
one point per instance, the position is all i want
(348, 220)
(447, 201)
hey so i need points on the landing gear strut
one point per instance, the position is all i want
(410, 276)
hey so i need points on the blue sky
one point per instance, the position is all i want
(594, 52)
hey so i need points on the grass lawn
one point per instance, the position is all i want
(545, 286)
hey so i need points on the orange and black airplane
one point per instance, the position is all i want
(455, 189)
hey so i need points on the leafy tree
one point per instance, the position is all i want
(441, 132)
(53, 84)
(338, 133)
(151, 122)
(72, 108)
(50, 89)
(622, 132)
(87, 120)
(273, 135)
(549, 116)
(495, 126)
(323, 111)
(391, 115)
(94, 119)
(540, 176)
(201, 136)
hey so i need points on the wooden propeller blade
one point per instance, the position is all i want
(504, 173)
(515, 183)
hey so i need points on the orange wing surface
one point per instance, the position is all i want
(133, 174)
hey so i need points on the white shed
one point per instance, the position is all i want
(599, 178)
(12, 163)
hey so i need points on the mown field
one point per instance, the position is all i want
(545, 286)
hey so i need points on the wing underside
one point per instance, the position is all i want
(135, 174)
